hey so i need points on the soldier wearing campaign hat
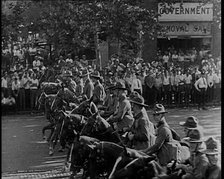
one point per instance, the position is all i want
(123, 117)
(198, 162)
(98, 92)
(142, 133)
(212, 152)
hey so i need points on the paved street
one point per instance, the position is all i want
(24, 151)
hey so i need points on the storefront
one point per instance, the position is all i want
(187, 25)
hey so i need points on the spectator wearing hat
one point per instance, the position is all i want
(212, 152)
(164, 137)
(142, 132)
(198, 162)
(122, 118)
(201, 86)
(98, 92)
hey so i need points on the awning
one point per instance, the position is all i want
(185, 37)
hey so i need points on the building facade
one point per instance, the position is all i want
(188, 24)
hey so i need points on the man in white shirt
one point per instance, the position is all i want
(217, 87)
(210, 91)
(201, 86)
(34, 83)
(188, 80)
(69, 59)
(166, 59)
(136, 84)
(4, 85)
(36, 63)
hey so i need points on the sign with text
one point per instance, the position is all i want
(186, 12)
(182, 28)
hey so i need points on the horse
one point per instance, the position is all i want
(99, 128)
(66, 129)
(46, 101)
(86, 108)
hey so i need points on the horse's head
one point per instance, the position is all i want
(41, 99)
(129, 160)
(86, 108)
(95, 126)
(58, 102)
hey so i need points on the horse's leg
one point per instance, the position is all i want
(51, 127)
(51, 142)
(44, 129)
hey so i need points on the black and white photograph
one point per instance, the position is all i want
(111, 89)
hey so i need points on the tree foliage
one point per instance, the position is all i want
(75, 24)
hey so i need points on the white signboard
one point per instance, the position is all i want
(185, 28)
(186, 12)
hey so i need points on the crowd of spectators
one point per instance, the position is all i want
(169, 79)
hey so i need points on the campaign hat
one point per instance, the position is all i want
(120, 85)
(190, 123)
(212, 146)
(139, 100)
(159, 109)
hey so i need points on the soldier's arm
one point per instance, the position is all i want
(142, 134)
(160, 139)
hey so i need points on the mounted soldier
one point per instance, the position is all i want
(123, 118)
(98, 92)
(142, 132)
(164, 144)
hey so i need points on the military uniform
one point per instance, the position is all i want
(123, 118)
(143, 131)
(98, 93)
(88, 88)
